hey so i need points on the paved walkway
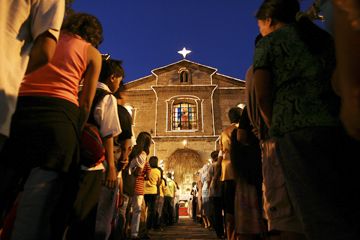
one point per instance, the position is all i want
(185, 229)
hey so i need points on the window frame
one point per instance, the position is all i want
(195, 103)
(186, 118)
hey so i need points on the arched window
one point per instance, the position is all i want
(184, 116)
(184, 76)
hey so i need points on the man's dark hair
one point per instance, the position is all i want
(153, 161)
(214, 155)
(234, 114)
(111, 67)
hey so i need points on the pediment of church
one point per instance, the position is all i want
(184, 64)
(185, 73)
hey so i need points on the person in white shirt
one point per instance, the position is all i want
(29, 32)
(95, 203)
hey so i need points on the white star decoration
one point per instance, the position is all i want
(184, 52)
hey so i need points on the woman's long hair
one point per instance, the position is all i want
(87, 26)
(143, 142)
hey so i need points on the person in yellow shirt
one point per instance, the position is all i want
(169, 195)
(151, 186)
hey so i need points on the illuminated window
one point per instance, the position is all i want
(184, 116)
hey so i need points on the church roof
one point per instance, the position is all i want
(182, 63)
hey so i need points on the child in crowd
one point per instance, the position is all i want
(95, 202)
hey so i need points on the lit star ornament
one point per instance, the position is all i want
(184, 52)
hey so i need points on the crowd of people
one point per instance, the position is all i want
(283, 168)
(60, 84)
(227, 196)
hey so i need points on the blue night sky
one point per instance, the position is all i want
(146, 34)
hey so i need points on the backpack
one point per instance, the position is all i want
(92, 151)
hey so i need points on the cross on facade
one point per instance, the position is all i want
(184, 52)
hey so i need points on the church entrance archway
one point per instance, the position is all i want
(184, 163)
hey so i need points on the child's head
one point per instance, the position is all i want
(112, 73)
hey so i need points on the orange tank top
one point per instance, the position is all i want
(60, 78)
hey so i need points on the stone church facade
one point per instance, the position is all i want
(184, 106)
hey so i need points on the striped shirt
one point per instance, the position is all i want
(139, 182)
